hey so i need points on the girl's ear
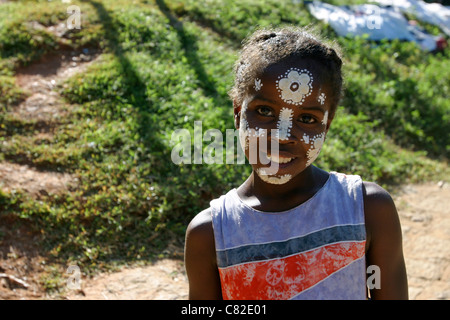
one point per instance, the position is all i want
(237, 114)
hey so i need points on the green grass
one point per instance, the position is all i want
(165, 65)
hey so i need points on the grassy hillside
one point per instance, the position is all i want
(166, 64)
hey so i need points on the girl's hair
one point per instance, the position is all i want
(267, 47)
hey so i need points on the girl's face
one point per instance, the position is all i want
(290, 99)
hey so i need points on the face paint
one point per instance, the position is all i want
(306, 138)
(325, 118)
(295, 85)
(258, 84)
(253, 143)
(274, 179)
(295, 88)
(284, 124)
(245, 131)
(257, 132)
(316, 145)
(322, 98)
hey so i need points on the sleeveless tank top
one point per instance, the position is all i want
(313, 251)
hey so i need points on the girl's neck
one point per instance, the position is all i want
(269, 197)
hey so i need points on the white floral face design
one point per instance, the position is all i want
(295, 85)
(258, 84)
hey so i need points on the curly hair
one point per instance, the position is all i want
(267, 47)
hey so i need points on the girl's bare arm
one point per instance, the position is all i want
(200, 259)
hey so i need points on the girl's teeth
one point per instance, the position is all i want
(279, 160)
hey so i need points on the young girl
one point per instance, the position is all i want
(299, 232)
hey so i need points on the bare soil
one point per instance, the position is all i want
(15, 176)
(43, 104)
(22, 264)
(425, 217)
(21, 260)
(163, 280)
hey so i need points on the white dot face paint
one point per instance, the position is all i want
(245, 132)
(284, 124)
(258, 132)
(306, 138)
(316, 144)
(322, 98)
(295, 85)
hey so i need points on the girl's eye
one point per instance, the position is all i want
(307, 119)
(265, 111)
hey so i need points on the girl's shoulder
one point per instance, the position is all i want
(201, 226)
(384, 242)
(380, 213)
(200, 258)
(376, 197)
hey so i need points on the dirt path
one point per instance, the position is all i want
(14, 176)
(21, 264)
(45, 106)
(164, 280)
(425, 216)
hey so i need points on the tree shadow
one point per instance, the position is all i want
(189, 44)
(137, 96)
(136, 92)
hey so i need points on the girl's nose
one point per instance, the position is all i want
(288, 139)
